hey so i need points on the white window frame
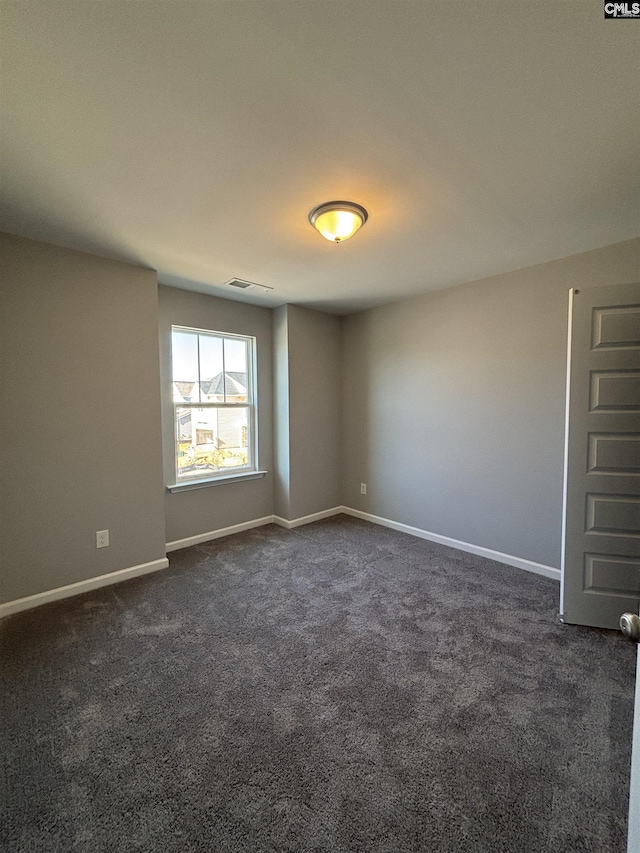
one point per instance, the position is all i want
(248, 471)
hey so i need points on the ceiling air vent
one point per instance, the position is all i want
(241, 284)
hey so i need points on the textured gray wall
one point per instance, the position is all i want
(79, 417)
(224, 504)
(314, 410)
(453, 405)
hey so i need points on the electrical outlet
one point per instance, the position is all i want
(102, 538)
(363, 488)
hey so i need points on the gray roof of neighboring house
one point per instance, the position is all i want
(236, 383)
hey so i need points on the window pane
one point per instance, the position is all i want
(211, 378)
(235, 363)
(184, 357)
(185, 451)
(233, 425)
(210, 440)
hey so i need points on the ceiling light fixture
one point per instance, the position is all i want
(338, 220)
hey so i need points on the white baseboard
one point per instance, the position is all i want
(498, 556)
(218, 534)
(307, 519)
(156, 565)
(81, 586)
(248, 525)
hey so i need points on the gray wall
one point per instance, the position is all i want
(307, 362)
(79, 417)
(453, 405)
(452, 411)
(223, 504)
(314, 410)
(282, 474)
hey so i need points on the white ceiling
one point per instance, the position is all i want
(194, 137)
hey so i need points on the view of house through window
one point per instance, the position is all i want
(213, 398)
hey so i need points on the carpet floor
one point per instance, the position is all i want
(338, 687)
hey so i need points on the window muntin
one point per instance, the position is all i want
(213, 392)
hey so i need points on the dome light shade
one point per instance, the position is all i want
(338, 220)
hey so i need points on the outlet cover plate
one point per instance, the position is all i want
(102, 538)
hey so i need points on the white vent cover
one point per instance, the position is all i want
(241, 284)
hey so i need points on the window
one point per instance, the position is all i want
(213, 384)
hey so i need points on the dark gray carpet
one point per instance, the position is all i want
(339, 687)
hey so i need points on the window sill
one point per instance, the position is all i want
(214, 481)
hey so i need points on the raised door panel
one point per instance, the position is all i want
(601, 561)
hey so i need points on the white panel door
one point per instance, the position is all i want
(601, 559)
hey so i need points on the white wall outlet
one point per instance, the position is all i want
(363, 488)
(102, 538)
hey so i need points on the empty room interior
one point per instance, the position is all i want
(309, 546)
